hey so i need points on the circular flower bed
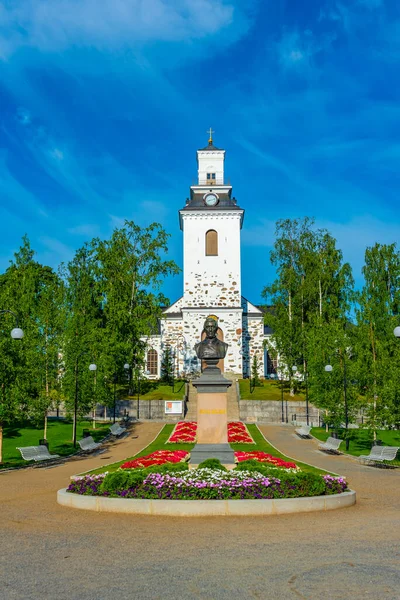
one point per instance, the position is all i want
(206, 484)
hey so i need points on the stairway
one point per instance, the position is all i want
(191, 414)
(233, 400)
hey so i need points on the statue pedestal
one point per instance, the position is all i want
(212, 418)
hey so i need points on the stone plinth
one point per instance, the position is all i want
(212, 418)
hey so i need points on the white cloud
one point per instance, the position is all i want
(89, 230)
(57, 154)
(23, 116)
(353, 236)
(54, 25)
(58, 250)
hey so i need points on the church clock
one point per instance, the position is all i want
(211, 199)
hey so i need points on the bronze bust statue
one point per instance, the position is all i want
(211, 347)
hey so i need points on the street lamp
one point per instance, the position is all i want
(282, 409)
(93, 369)
(294, 371)
(396, 331)
(329, 369)
(16, 333)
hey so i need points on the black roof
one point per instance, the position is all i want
(210, 146)
(196, 201)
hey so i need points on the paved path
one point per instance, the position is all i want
(50, 552)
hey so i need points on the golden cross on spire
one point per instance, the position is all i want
(210, 132)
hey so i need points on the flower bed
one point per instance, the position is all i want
(184, 433)
(239, 434)
(157, 458)
(207, 484)
(264, 458)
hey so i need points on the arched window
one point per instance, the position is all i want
(211, 243)
(152, 362)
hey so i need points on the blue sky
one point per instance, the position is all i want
(104, 104)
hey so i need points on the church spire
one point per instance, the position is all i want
(210, 139)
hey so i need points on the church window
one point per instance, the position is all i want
(152, 362)
(211, 243)
(211, 178)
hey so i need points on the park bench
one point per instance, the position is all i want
(375, 454)
(304, 431)
(331, 445)
(117, 429)
(88, 444)
(37, 453)
(387, 453)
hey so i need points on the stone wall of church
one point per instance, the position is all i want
(212, 280)
(230, 324)
(253, 344)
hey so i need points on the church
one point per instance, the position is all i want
(211, 222)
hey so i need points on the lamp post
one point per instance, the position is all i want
(294, 371)
(93, 369)
(329, 369)
(115, 379)
(282, 411)
(306, 382)
(16, 334)
(77, 393)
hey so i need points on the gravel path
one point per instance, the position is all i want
(51, 552)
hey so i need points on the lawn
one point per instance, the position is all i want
(267, 390)
(160, 444)
(59, 436)
(361, 440)
(155, 390)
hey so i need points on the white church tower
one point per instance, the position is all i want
(211, 222)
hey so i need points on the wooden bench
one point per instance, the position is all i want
(331, 445)
(37, 453)
(88, 444)
(304, 431)
(117, 429)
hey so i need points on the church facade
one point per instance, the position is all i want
(211, 222)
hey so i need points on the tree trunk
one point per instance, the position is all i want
(1, 443)
(45, 426)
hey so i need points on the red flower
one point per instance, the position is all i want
(184, 432)
(238, 433)
(264, 457)
(159, 457)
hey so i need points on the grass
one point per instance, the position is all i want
(59, 436)
(160, 444)
(155, 390)
(361, 440)
(267, 390)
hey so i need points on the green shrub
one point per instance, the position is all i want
(256, 466)
(122, 480)
(167, 468)
(212, 463)
(304, 484)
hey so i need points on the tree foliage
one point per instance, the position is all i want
(97, 309)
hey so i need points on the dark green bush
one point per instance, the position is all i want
(167, 468)
(122, 480)
(212, 463)
(256, 466)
